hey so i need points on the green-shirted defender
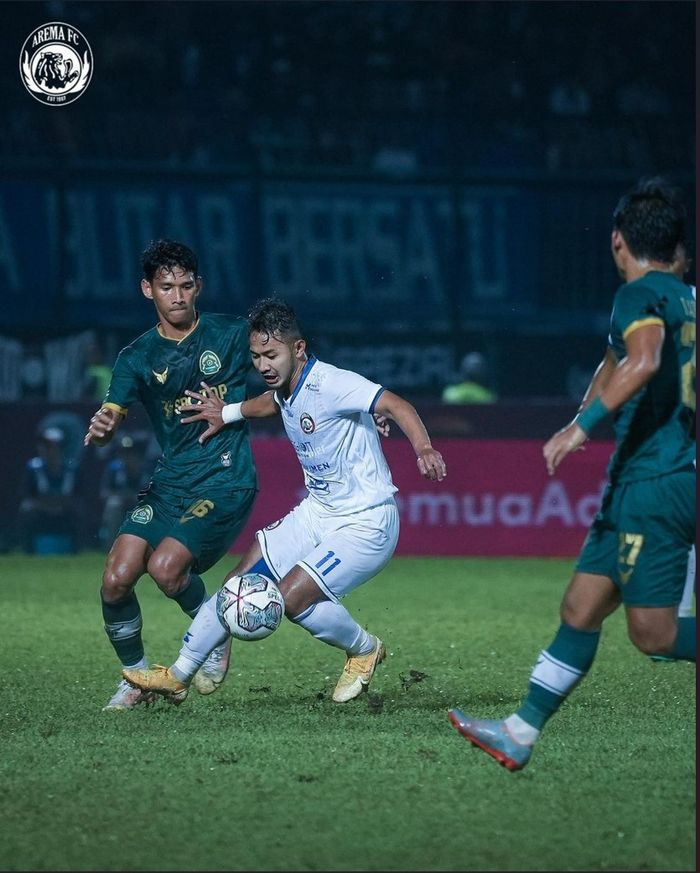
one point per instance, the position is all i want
(632, 539)
(636, 552)
(200, 496)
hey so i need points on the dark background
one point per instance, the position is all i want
(421, 179)
(414, 176)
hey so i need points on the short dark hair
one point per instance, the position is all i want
(652, 219)
(276, 318)
(164, 254)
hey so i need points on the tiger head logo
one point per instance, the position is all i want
(54, 71)
(56, 63)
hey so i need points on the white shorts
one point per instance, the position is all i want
(338, 553)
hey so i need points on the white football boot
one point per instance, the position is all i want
(213, 671)
(358, 672)
(127, 697)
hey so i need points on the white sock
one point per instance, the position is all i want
(686, 605)
(204, 634)
(139, 665)
(332, 623)
(520, 730)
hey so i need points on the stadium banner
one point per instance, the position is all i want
(350, 255)
(497, 499)
(29, 253)
(399, 253)
(91, 233)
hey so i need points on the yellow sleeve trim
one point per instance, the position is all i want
(643, 322)
(120, 409)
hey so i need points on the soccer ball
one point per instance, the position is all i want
(250, 607)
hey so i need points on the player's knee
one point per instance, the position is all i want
(578, 616)
(652, 631)
(118, 581)
(167, 573)
(652, 641)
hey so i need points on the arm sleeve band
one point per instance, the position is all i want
(594, 413)
(231, 412)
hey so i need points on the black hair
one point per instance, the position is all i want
(276, 318)
(164, 254)
(652, 219)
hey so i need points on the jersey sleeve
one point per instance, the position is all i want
(347, 392)
(636, 305)
(123, 389)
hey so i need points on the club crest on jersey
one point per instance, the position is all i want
(307, 424)
(142, 515)
(209, 363)
(161, 377)
(226, 459)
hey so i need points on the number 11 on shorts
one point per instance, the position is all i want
(326, 558)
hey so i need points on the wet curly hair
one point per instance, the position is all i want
(164, 254)
(273, 317)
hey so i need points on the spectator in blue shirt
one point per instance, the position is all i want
(50, 502)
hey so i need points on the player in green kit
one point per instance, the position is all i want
(200, 496)
(636, 552)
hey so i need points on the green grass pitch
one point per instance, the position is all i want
(270, 774)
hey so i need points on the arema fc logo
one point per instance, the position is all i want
(56, 63)
(307, 424)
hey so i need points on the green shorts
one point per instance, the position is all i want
(206, 522)
(641, 537)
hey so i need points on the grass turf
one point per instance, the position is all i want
(270, 774)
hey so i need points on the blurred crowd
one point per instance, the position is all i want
(377, 86)
(63, 507)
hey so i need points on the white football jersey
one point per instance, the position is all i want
(328, 420)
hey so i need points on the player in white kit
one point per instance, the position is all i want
(344, 531)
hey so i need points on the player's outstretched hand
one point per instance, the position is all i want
(102, 426)
(569, 439)
(206, 406)
(431, 464)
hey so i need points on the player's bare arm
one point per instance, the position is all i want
(643, 347)
(207, 406)
(103, 426)
(430, 462)
(642, 360)
(571, 434)
(601, 377)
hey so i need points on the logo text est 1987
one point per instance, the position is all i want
(55, 63)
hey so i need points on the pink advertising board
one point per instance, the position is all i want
(497, 499)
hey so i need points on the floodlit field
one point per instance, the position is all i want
(270, 774)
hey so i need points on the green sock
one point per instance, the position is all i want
(557, 672)
(685, 642)
(192, 596)
(123, 626)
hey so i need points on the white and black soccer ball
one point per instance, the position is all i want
(250, 607)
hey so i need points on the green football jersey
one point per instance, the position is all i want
(157, 371)
(653, 430)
